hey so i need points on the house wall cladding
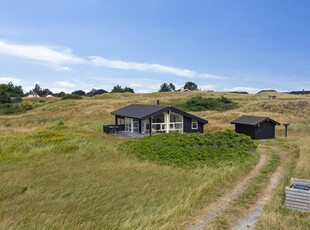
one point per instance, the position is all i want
(246, 129)
(297, 199)
(187, 126)
(265, 130)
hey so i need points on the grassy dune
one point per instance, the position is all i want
(59, 171)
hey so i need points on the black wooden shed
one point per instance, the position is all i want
(256, 127)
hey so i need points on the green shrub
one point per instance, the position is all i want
(194, 150)
(17, 99)
(9, 108)
(16, 108)
(71, 97)
(199, 103)
(25, 106)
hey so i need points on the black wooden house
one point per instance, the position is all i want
(95, 92)
(256, 127)
(138, 118)
(79, 92)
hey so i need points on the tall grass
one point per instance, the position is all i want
(61, 177)
(59, 171)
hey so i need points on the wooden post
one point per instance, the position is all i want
(286, 125)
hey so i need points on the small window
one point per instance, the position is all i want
(120, 121)
(194, 124)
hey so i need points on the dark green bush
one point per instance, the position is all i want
(9, 108)
(71, 97)
(194, 150)
(15, 108)
(200, 104)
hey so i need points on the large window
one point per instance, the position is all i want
(194, 124)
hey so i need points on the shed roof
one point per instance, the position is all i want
(32, 92)
(253, 120)
(140, 111)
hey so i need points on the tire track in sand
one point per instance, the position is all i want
(216, 209)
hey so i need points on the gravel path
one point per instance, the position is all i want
(249, 221)
(218, 208)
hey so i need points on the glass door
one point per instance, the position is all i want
(145, 126)
(128, 124)
(135, 125)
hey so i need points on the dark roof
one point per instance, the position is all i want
(253, 120)
(300, 92)
(79, 92)
(32, 92)
(267, 91)
(238, 92)
(146, 111)
(94, 92)
(138, 111)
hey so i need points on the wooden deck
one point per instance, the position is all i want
(125, 134)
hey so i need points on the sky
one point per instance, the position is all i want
(221, 45)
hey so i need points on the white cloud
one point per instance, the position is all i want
(55, 56)
(10, 79)
(59, 57)
(64, 68)
(27, 88)
(146, 67)
(58, 90)
(246, 89)
(64, 84)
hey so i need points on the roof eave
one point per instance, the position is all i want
(239, 123)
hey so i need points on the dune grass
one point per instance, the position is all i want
(62, 177)
(59, 171)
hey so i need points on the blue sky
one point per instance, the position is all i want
(220, 45)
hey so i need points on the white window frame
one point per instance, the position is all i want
(120, 121)
(128, 124)
(194, 122)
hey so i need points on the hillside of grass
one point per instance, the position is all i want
(59, 171)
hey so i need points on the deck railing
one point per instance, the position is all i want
(162, 127)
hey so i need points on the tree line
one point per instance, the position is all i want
(10, 93)
(165, 87)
